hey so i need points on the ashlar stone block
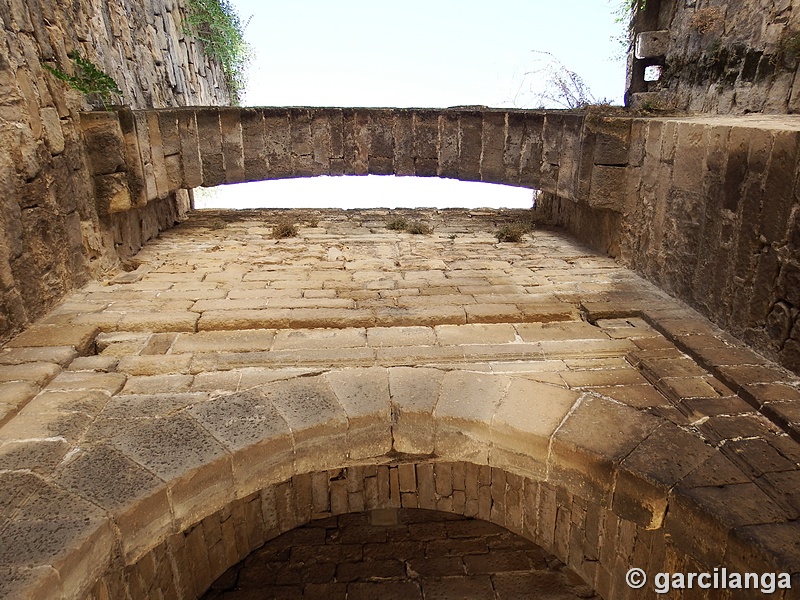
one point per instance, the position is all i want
(463, 415)
(252, 429)
(414, 393)
(364, 394)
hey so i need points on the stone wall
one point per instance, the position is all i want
(711, 218)
(718, 57)
(703, 207)
(51, 235)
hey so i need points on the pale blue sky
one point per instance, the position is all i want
(416, 53)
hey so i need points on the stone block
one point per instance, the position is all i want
(253, 340)
(427, 316)
(530, 163)
(158, 322)
(414, 393)
(426, 135)
(360, 141)
(690, 153)
(254, 149)
(570, 330)
(590, 444)
(512, 151)
(170, 133)
(403, 133)
(607, 188)
(652, 44)
(700, 519)
(104, 142)
(232, 145)
(467, 403)
(493, 147)
(492, 313)
(652, 469)
(400, 336)
(381, 139)
(38, 374)
(79, 337)
(569, 162)
(778, 186)
(209, 136)
(316, 418)
(253, 430)
(471, 139)
(278, 142)
(448, 145)
(54, 135)
(612, 140)
(137, 499)
(321, 142)
(364, 395)
(30, 583)
(157, 154)
(302, 148)
(458, 335)
(153, 365)
(112, 193)
(191, 163)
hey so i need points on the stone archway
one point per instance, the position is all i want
(399, 553)
(164, 465)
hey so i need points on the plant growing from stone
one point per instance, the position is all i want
(88, 79)
(511, 233)
(552, 85)
(397, 224)
(284, 229)
(218, 26)
(623, 16)
(419, 228)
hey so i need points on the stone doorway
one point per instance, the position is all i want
(399, 553)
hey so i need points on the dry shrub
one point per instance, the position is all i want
(284, 229)
(511, 233)
(397, 224)
(419, 228)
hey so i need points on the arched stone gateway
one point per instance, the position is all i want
(165, 504)
(403, 553)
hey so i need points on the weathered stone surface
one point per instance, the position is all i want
(260, 415)
(525, 420)
(414, 394)
(316, 418)
(467, 403)
(250, 427)
(364, 395)
(591, 443)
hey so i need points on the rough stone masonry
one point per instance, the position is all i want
(161, 422)
(233, 387)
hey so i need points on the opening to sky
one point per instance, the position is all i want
(370, 191)
(417, 54)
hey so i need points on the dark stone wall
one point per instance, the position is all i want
(718, 57)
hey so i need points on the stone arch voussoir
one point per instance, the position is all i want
(596, 483)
